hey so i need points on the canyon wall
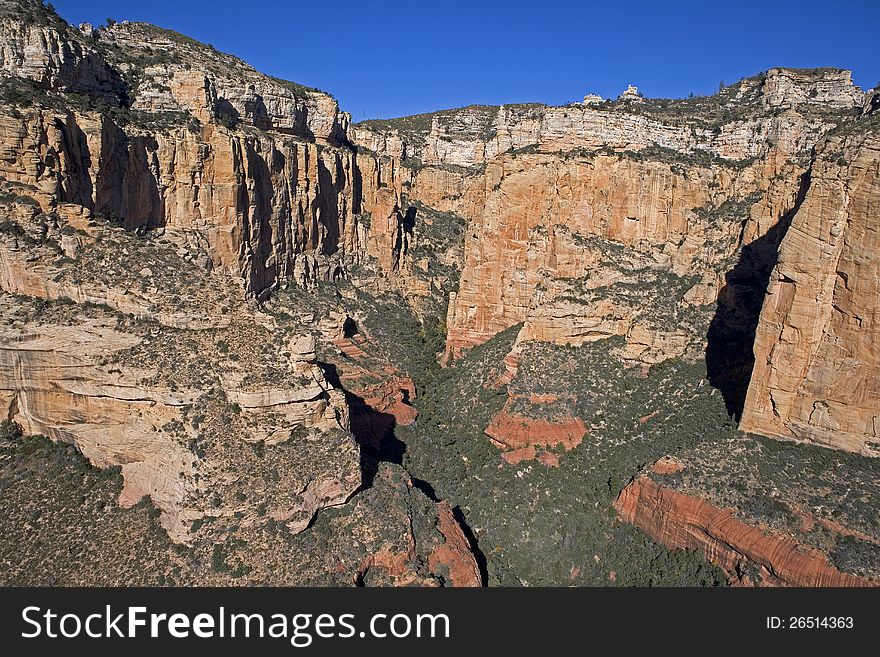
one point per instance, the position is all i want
(154, 193)
(660, 221)
(473, 136)
(271, 208)
(163, 205)
(120, 348)
(637, 218)
(817, 351)
(156, 131)
(683, 185)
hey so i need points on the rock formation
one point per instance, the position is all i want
(817, 351)
(126, 391)
(154, 191)
(693, 217)
(515, 430)
(684, 521)
(537, 184)
(180, 151)
(212, 281)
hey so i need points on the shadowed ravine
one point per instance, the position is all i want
(224, 309)
(730, 340)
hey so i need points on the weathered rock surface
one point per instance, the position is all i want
(535, 421)
(170, 220)
(683, 521)
(86, 539)
(476, 135)
(817, 350)
(269, 207)
(379, 395)
(683, 185)
(74, 381)
(37, 45)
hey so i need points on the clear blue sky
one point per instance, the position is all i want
(384, 59)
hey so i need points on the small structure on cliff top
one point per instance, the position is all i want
(631, 93)
(592, 99)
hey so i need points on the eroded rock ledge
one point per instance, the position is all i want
(678, 520)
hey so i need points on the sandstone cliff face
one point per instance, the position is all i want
(665, 180)
(476, 135)
(141, 378)
(193, 140)
(148, 68)
(271, 208)
(658, 222)
(535, 230)
(817, 351)
(37, 45)
(169, 216)
(683, 521)
(129, 349)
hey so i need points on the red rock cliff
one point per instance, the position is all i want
(817, 349)
(682, 521)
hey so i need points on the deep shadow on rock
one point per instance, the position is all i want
(373, 430)
(731, 337)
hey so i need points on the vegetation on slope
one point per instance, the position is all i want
(541, 525)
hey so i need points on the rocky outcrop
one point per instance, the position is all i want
(788, 87)
(114, 344)
(178, 73)
(527, 424)
(569, 246)
(152, 69)
(269, 207)
(379, 394)
(454, 555)
(73, 383)
(683, 521)
(473, 136)
(194, 140)
(37, 45)
(817, 353)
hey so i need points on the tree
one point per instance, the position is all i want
(721, 86)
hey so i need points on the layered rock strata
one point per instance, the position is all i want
(682, 521)
(817, 350)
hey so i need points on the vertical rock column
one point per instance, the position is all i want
(817, 349)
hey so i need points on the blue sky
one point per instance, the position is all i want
(384, 59)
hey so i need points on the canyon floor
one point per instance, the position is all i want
(243, 341)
